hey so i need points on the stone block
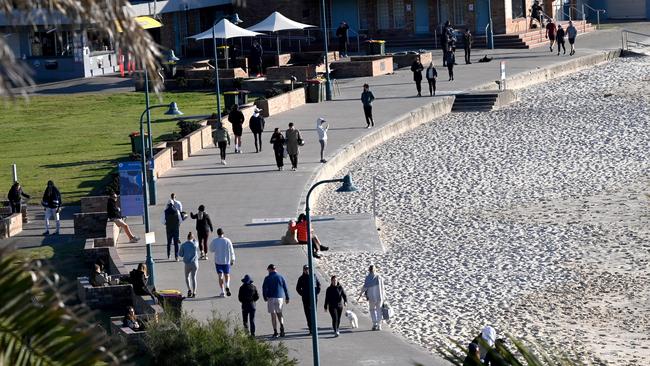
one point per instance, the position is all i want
(163, 161)
(91, 224)
(181, 149)
(282, 102)
(363, 66)
(406, 60)
(301, 73)
(93, 204)
(11, 225)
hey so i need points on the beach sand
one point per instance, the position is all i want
(534, 218)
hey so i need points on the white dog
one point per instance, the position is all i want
(352, 317)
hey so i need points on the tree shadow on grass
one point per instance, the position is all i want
(77, 163)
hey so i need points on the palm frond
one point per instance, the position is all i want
(37, 328)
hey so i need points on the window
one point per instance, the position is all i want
(364, 11)
(98, 41)
(459, 12)
(383, 18)
(399, 21)
(518, 9)
(51, 43)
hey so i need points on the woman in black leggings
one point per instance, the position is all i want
(335, 300)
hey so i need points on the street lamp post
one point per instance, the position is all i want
(173, 110)
(490, 35)
(346, 187)
(328, 84)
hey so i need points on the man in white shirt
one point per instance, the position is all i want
(224, 258)
(322, 128)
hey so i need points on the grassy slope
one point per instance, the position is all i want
(75, 140)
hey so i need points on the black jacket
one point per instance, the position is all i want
(342, 33)
(203, 224)
(14, 195)
(278, 140)
(560, 35)
(248, 294)
(467, 40)
(112, 210)
(256, 124)
(302, 287)
(139, 283)
(256, 52)
(335, 297)
(236, 117)
(51, 198)
(417, 70)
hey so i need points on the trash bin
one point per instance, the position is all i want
(315, 91)
(376, 47)
(136, 142)
(239, 97)
(172, 301)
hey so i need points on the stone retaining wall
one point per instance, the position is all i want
(11, 225)
(181, 149)
(363, 66)
(90, 224)
(94, 204)
(163, 160)
(282, 102)
(407, 60)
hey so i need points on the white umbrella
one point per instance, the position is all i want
(224, 29)
(278, 22)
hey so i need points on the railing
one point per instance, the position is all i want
(486, 34)
(358, 36)
(598, 11)
(625, 42)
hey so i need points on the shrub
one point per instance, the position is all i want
(181, 82)
(187, 127)
(272, 92)
(188, 341)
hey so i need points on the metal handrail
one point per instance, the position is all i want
(486, 34)
(358, 38)
(625, 41)
(598, 11)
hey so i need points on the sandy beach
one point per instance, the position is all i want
(534, 218)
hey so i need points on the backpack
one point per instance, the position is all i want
(171, 216)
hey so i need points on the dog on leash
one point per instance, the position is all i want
(352, 317)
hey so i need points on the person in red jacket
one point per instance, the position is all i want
(301, 228)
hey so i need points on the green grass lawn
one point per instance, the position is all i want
(76, 140)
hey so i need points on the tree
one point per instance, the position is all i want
(37, 328)
(111, 16)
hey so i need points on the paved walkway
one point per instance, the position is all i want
(250, 187)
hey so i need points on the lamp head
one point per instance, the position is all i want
(235, 19)
(173, 110)
(347, 186)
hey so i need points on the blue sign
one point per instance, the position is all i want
(131, 197)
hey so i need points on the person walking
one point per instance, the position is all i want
(224, 259)
(221, 139)
(302, 288)
(560, 39)
(373, 289)
(321, 129)
(275, 292)
(256, 58)
(467, 45)
(535, 14)
(203, 229)
(417, 68)
(293, 141)
(335, 300)
(172, 219)
(176, 203)
(15, 196)
(236, 118)
(551, 28)
(256, 124)
(278, 141)
(114, 214)
(432, 75)
(451, 61)
(342, 35)
(52, 205)
(444, 42)
(366, 99)
(248, 296)
(572, 33)
(189, 251)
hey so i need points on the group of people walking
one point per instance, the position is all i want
(51, 203)
(556, 34)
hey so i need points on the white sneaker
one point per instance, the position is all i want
(223, 162)
(135, 239)
(222, 295)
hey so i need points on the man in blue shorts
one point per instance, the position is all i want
(224, 258)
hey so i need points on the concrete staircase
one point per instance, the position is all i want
(529, 39)
(482, 101)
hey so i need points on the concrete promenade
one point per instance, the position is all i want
(250, 187)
